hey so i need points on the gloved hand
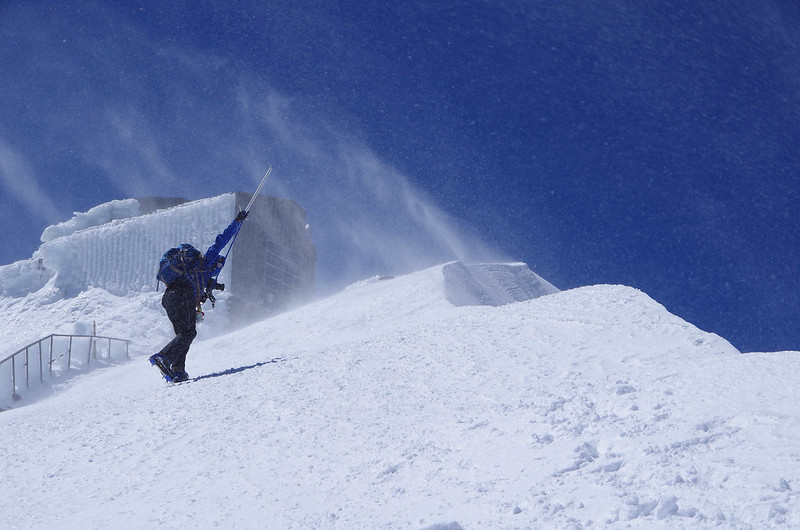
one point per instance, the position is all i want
(241, 216)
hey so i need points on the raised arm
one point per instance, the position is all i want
(213, 251)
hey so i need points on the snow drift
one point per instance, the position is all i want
(387, 406)
(492, 283)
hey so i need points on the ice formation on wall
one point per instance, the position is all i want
(96, 216)
(112, 247)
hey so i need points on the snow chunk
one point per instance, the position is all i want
(96, 216)
(449, 526)
(23, 277)
(368, 281)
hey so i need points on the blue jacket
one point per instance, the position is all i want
(199, 276)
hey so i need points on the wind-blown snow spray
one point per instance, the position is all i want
(366, 216)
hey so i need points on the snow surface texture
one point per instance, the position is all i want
(386, 406)
(124, 248)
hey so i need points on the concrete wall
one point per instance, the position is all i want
(274, 262)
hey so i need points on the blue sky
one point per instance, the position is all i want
(651, 144)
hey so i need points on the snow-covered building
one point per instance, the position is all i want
(117, 245)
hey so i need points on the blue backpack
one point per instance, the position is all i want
(176, 262)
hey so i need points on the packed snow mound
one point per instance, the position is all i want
(99, 215)
(492, 284)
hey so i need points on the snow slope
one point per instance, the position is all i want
(386, 406)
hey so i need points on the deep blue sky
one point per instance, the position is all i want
(649, 143)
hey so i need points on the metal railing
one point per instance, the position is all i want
(49, 354)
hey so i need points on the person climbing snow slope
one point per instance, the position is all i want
(190, 277)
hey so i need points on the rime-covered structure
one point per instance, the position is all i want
(117, 246)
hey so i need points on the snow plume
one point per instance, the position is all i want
(366, 216)
(131, 153)
(156, 134)
(19, 182)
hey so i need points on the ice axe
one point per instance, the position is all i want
(213, 279)
(258, 189)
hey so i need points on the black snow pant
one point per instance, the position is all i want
(180, 304)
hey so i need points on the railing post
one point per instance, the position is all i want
(41, 370)
(13, 378)
(89, 357)
(27, 367)
(69, 354)
(50, 362)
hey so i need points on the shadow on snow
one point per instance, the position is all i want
(237, 370)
